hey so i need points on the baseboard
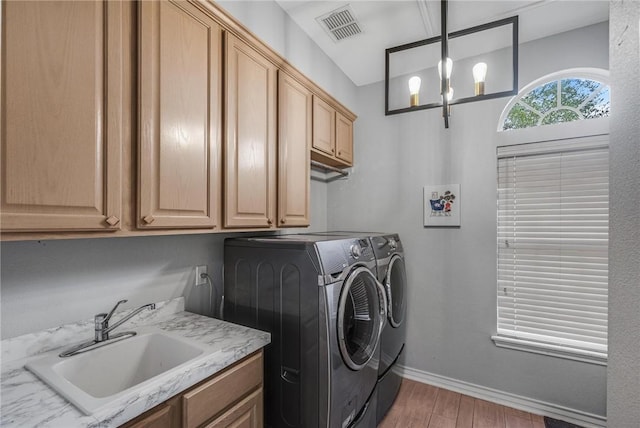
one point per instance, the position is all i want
(578, 417)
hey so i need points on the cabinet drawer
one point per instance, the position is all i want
(165, 415)
(207, 400)
(247, 413)
(161, 418)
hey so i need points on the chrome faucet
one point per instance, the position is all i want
(102, 320)
(102, 330)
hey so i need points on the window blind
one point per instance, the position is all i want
(553, 221)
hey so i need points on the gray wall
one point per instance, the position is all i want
(623, 392)
(452, 271)
(45, 284)
(270, 23)
(48, 283)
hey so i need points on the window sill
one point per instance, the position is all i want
(592, 357)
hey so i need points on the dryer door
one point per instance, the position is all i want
(395, 284)
(361, 314)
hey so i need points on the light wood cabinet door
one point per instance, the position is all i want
(160, 417)
(344, 138)
(210, 398)
(324, 126)
(250, 142)
(61, 110)
(294, 146)
(248, 413)
(180, 101)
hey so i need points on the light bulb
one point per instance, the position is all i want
(479, 75)
(448, 68)
(414, 89)
(449, 98)
(449, 94)
(479, 72)
(414, 85)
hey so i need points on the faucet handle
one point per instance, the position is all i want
(106, 319)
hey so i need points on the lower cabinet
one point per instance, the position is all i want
(247, 413)
(163, 416)
(231, 398)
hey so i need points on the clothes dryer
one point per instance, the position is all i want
(320, 299)
(392, 274)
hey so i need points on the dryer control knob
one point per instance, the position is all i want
(356, 252)
(393, 244)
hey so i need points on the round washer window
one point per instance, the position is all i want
(358, 318)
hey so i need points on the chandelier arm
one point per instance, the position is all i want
(444, 82)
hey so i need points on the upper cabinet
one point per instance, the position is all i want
(344, 138)
(324, 127)
(294, 143)
(154, 117)
(250, 140)
(332, 135)
(61, 110)
(180, 66)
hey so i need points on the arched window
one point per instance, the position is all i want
(565, 96)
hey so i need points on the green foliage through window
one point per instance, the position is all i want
(563, 100)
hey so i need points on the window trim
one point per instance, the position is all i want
(550, 349)
(531, 345)
(598, 74)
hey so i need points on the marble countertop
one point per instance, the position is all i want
(28, 402)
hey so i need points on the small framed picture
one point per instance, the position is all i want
(442, 205)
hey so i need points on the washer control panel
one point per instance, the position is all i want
(356, 251)
(393, 244)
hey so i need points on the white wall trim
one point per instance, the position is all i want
(556, 131)
(531, 405)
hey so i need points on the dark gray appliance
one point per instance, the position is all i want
(320, 299)
(392, 274)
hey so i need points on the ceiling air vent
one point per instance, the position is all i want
(340, 24)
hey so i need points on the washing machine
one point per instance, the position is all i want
(391, 273)
(320, 299)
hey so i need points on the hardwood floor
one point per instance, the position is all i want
(419, 405)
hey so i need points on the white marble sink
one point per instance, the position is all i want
(96, 378)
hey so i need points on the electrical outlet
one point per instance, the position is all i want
(201, 270)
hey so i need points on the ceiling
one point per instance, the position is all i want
(389, 23)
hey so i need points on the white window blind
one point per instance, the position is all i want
(553, 221)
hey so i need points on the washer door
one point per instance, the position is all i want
(395, 284)
(360, 318)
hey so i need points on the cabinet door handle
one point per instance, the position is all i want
(339, 153)
(269, 221)
(282, 221)
(112, 221)
(148, 219)
(333, 150)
